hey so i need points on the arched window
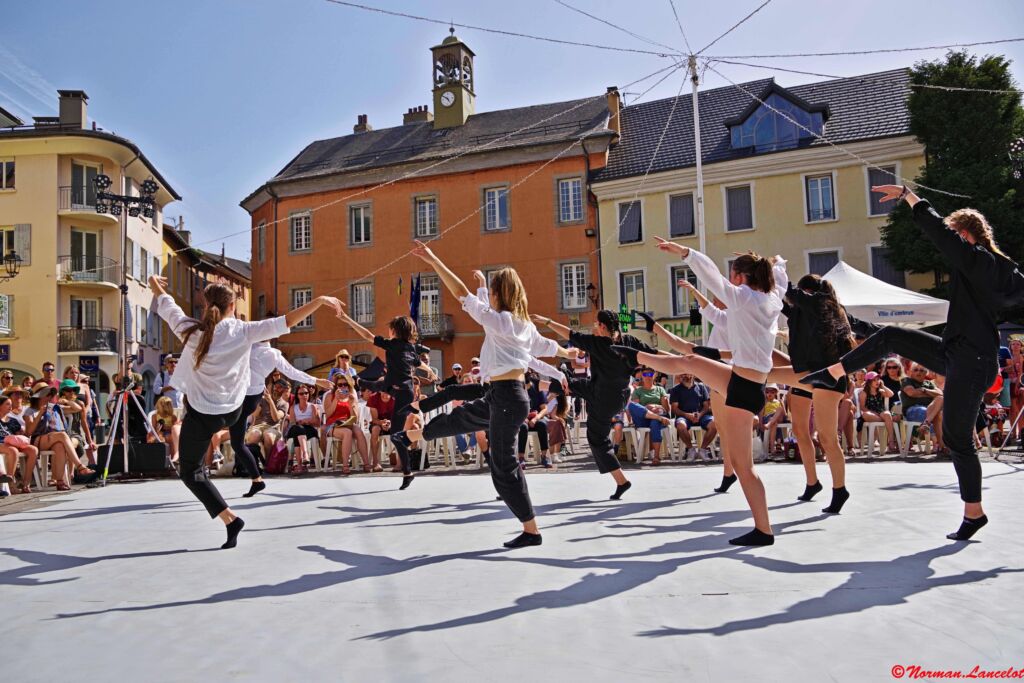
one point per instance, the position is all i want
(774, 127)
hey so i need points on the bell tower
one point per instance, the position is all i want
(454, 99)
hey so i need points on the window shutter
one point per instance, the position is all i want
(137, 261)
(740, 214)
(882, 269)
(629, 222)
(23, 242)
(681, 215)
(822, 262)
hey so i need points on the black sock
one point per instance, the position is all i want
(648, 320)
(619, 490)
(822, 379)
(726, 483)
(234, 528)
(755, 537)
(968, 528)
(810, 492)
(839, 498)
(406, 480)
(522, 540)
(256, 487)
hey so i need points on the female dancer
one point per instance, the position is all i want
(213, 373)
(753, 293)
(980, 276)
(401, 353)
(263, 360)
(607, 392)
(510, 341)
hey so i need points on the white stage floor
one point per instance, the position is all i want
(350, 579)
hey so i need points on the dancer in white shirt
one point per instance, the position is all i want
(510, 343)
(753, 293)
(214, 374)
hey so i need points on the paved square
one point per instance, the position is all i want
(349, 579)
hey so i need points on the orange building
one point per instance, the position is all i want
(484, 186)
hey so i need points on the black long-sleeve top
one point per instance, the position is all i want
(975, 276)
(607, 368)
(808, 349)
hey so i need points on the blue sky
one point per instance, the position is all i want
(221, 94)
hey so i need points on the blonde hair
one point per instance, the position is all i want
(974, 223)
(164, 407)
(509, 291)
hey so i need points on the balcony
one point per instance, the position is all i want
(437, 327)
(86, 339)
(94, 272)
(81, 203)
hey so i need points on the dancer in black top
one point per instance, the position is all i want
(607, 392)
(982, 280)
(401, 356)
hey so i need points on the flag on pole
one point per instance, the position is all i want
(414, 299)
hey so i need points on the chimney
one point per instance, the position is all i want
(72, 108)
(185, 235)
(362, 126)
(417, 115)
(222, 259)
(614, 107)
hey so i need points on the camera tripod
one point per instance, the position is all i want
(120, 419)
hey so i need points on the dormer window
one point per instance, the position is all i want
(771, 128)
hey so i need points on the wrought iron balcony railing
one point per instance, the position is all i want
(86, 339)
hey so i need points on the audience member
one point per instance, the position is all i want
(164, 384)
(690, 401)
(873, 408)
(650, 399)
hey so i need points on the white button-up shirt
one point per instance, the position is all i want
(166, 380)
(263, 360)
(509, 343)
(219, 384)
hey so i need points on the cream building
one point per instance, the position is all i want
(65, 304)
(769, 186)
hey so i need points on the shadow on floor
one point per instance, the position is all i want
(44, 563)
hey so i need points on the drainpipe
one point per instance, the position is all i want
(597, 227)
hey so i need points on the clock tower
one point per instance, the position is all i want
(454, 99)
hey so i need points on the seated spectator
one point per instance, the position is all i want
(6, 380)
(167, 426)
(342, 365)
(618, 424)
(690, 401)
(772, 415)
(304, 418)
(558, 426)
(341, 408)
(382, 409)
(892, 378)
(45, 425)
(13, 442)
(922, 400)
(74, 413)
(28, 382)
(455, 377)
(164, 384)
(873, 409)
(535, 421)
(992, 418)
(426, 376)
(646, 400)
(1014, 367)
(91, 415)
(268, 418)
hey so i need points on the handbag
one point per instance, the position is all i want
(277, 461)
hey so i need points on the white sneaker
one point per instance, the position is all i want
(691, 454)
(705, 454)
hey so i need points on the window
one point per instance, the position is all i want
(301, 232)
(820, 201)
(570, 200)
(7, 174)
(359, 224)
(302, 362)
(143, 326)
(6, 239)
(496, 208)
(130, 255)
(261, 242)
(179, 276)
(489, 273)
(630, 229)
(883, 175)
(261, 307)
(680, 215)
(86, 312)
(301, 297)
(83, 190)
(739, 210)
(680, 295)
(430, 321)
(426, 216)
(883, 269)
(137, 263)
(574, 285)
(144, 265)
(6, 315)
(631, 290)
(361, 301)
(820, 262)
(156, 266)
(772, 127)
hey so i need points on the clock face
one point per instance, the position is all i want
(448, 99)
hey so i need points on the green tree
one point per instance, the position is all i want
(966, 137)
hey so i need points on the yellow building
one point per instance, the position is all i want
(178, 266)
(64, 306)
(769, 185)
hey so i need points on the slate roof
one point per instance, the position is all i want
(859, 108)
(420, 142)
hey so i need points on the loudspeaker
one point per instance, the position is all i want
(142, 458)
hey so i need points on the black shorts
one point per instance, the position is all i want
(745, 394)
(708, 352)
(839, 388)
(802, 393)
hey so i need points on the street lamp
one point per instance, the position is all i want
(12, 264)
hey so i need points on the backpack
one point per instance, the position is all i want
(277, 461)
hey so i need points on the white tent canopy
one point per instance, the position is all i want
(879, 302)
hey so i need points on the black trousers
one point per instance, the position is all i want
(404, 395)
(196, 431)
(500, 412)
(295, 431)
(243, 455)
(541, 429)
(603, 403)
(453, 392)
(968, 374)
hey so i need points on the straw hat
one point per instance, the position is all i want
(41, 389)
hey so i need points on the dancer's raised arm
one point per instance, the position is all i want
(558, 328)
(705, 270)
(452, 281)
(344, 317)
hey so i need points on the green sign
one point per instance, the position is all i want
(626, 320)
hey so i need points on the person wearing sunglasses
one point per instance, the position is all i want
(342, 365)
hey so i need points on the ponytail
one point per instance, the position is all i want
(758, 271)
(218, 299)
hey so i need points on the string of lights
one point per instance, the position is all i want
(734, 26)
(649, 41)
(905, 181)
(868, 79)
(869, 52)
(513, 34)
(679, 23)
